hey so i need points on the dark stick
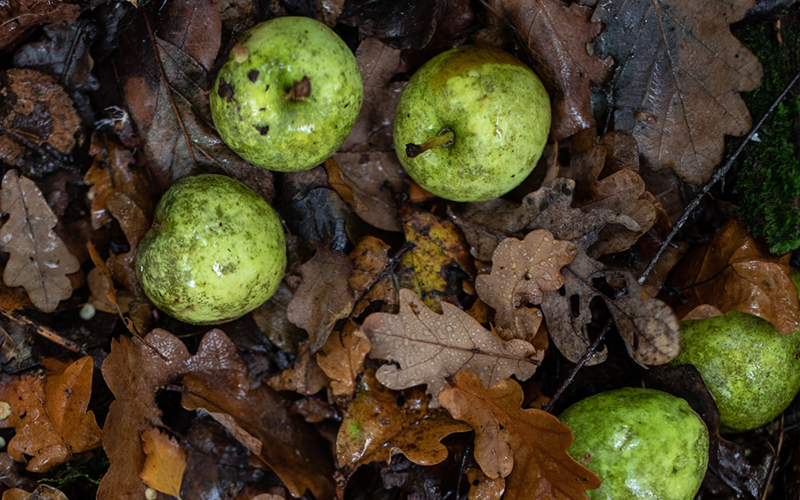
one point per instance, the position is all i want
(718, 175)
(583, 360)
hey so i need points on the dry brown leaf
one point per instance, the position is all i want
(39, 259)
(527, 447)
(680, 113)
(370, 259)
(338, 184)
(374, 177)
(734, 272)
(164, 463)
(324, 296)
(42, 492)
(342, 358)
(304, 377)
(557, 34)
(482, 487)
(430, 347)
(271, 319)
(521, 272)
(376, 427)
(49, 413)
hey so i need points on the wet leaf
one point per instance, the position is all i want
(271, 319)
(164, 463)
(378, 425)
(49, 414)
(734, 272)
(402, 24)
(192, 26)
(42, 492)
(19, 16)
(370, 261)
(38, 122)
(557, 33)
(39, 259)
(304, 377)
(526, 446)
(430, 347)
(521, 272)
(342, 358)
(696, 68)
(482, 487)
(324, 295)
(375, 178)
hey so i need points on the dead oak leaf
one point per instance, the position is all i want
(39, 261)
(42, 492)
(557, 33)
(680, 113)
(49, 413)
(528, 447)
(482, 487)
(18, 16)
(324, 295)
(370, 262)
(734, 272)
(376, 427)
(342, 358)
(304, 376)
(165, 462)
(430, 347)
(521, 272)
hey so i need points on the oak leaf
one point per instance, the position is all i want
(20, 16)
(370, 261)
(482, 487)
(165, 462)
(324, 295)
(342, 358)
(42, 492)
(39, 259)
(557, 33)
(526, 446)
(680, 113)
(304, 376)
(735, 272)
(521, 272)
(430, 347)
(50, 414)
(376, 427)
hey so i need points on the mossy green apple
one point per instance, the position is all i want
(471, 123)
(215, 252)
(288, 94)
(752, 371)
(641, 443)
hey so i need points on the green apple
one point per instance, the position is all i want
(752, 371)
(288, 95)
(471, 123)
(641, 443)
(216, 251)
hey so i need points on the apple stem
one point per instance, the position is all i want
(444, 138)
(300, 90)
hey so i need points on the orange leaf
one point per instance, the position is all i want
(342, 358)
(527, 447)
(49, 414)
(164, 463)
(42, 492)
(734, 272)
(370, 260)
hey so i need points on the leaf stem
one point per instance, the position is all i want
(444, 138)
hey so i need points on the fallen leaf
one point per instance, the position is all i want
(42, 492)
(527, 447)
(271, 319)
(304, 377)
(370, 262)
(193, 27)
(324, 296)
(440, 253)
(19, 16)
(376, 427)
(342, 359)
(164, 463)
(39, 123)
(338, 184)
(482, 487)
(430, 347)
(556, 34)
(735, 272)
(49, 414)
(696, 68)
(401, 25)
(39, 261)
(521, 272)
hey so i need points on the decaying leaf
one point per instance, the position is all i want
(304, 377)
(324, 295)
(376, 427)
(482, 487)
(271, 319)
(680, 112)
(526, 446)
(49, 414)
(42, 492)
(430, 347)
(370, 261)
(164, 463)
(557, 34)
(342, 358)
(438, 247)
(734, 272)
(39, 259)
(20, 16)
(521, 272)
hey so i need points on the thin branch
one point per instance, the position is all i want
(774, 462)
(45, 332)
(718, 175)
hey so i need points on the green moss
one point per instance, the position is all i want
(768, 171)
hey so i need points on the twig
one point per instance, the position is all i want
(774, 462)
(43, 331)
(583, 360)
(718, 175)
